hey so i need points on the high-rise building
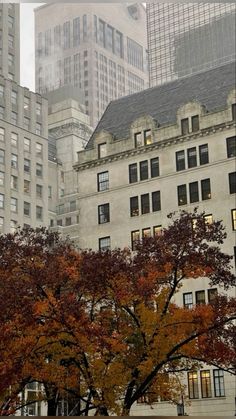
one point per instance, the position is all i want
(10, 41)
(186, 38)
(86, 45)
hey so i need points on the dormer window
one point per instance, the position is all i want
(147, 137)
(234, 111)
(190, 124)
(138, 139)
(143, 138)
(185, 126)
(195, 123)
(102, 150)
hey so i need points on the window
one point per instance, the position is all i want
(103, 181)
(103, 214)
(38, 128)
(138, 139)
(102, 150)
(147, 137)
(133, 173)
(66, 35)
(2, 156)
(10, 41)
(135, 238)
(68, 221)
(13, 97)
(10, 60)
(234, 111)
(195, 123)
(26, 103)
(39, 213)
(27, 145)
(26, 186)
(231, 146)
(2, 178)
(2, 110)
(193, 391)
(145, 205)
(49, 191)
(14, 161)
(184, 126)
(212, 294)
(203, 154)
(205, 383)
(14, 182)
(1, 224)
(182, 195)
(13, 226)
(188, 299)
(156, 201)
(39, 170)
(27, 208)
(10, 22)
(208, 219)
(26, 166)
(134, 207)
(59, 222)
(233, 214)
(206, 189)
(1, 200)
(39, 191)
(192, 157)
(13, 204)
(200, 297)
(119, 44)
(143, 167)
(104, 243)
(38, 109)
(219, 385)
(2, 134)
(14, 139)
(26, 123)
(39, 150)
(193, 192)
(1, 90)
(85, 28)
(76, 31)
(232, 182)
(157, 230)
(146, 233)
(155, 167)
(61, 209)
(14, 118)
(180, 160)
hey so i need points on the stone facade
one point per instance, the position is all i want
(10, 41)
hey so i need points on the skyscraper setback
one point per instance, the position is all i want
(187, 38)
(86, 46)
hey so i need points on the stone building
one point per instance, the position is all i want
(165, 149)
(85, 45)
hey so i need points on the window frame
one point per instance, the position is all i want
(207, 382)
(134, 209)
(156, 203)
(194, 385)
(145, 204)
(133, 176)
(197, 293)
(233, 217)
(231, 144)
(203, 155)
(193, 192)
(143, 170)
(134, 241)
(102, 249)
(155, 167)
(180, 161)
(220, 382)
(179, 195)
(105, 213)
(187, 305)
(204, 194)
(101, 182)
(192, 160)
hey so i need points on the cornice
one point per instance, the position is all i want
(155, 146)
(80, 129)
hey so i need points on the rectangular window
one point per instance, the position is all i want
(104, 243)
(103, 214)
(39, 170)
(39, 191)
(10, 41)
(157, 230)
(156, 201)
(143, 167)
(195, 123)
(1, 200)
(27, 145)
(182, 194)
(200, 297)
(10, 22)
(14, 97)
(27, 209)
(147, 137)
(26, 103)
(205, 383)
(145, 204)
(102, 150)
(208, 219)
(76, 32)
(212, 294)
(192, 157)
(26, 166)
(13, 226)
(232, 182)
(233, 214)
(38, 109)
(49, 191)
(180, 160)
(68, 221)
(85, 27)
(14, 118)
(193, 192)
(133, 173)
(138, 142)
(193, 390)
(134, 207)
(2, 134)
(39, 150)
(219, 385)
(66, 35)
(146, 233)
(39, 213)
(14, 139)
(2, 110)
(2, 156)
(206, 189)
(26, 186)
(14, 161)
(2, 178)
(155, 167)
(26, 123)
(231, 146)
(38, 128)
(2, 90)
(13, 204)
(185, 126)
(1, 224)
(72, 206)
(135, 238)
(103, 181)
(234, 111)
(14, 182)
(188, 299)
(203, 154)
(59, 222)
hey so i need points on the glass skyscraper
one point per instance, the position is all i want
(186, 38)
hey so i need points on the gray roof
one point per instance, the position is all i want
(209, 88)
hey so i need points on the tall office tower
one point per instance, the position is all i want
(187, 38)
(10, 41)
(101, 48)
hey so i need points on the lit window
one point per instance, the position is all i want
(102, 150)
(233, 214)
(193, 390)
(134, 207)
(103, 214)
(205, 383)
(157, 230)
(147, 137)
(146, 233)
(219, 385)
(13, 204)
(103, 181)
(135, 238)
(188, 299)
(104, 243)
(208, 219)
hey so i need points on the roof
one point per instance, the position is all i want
(209, 88)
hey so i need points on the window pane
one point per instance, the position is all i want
(192, 157)
(182, 195)
(206, 189)
(193, 385)
(195, 123)
(212, 294)
(188, 299)
(193, 192)
(146, 232)
(143, 167)
(104, 243)
(102, 150)
(155, 167)
(232, 182)
(134, 207)
(219, 385)
(103, 181)
(203, 154)
(135, 237)
(180, 160)
(133, 173)
(138, 139)
(147, 137)
(200, 297)
(103, 214)
(205, 383)
(157, 230)
(233, 213)
(2, 134)
(156, 201)
(231, 146)
(145, 205)
(184, 126)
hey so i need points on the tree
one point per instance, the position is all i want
(105, 327)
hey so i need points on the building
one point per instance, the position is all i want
(10, 41)
(85, 45)
(186, 38)
(167, 148)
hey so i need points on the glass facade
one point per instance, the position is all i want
(187, 38)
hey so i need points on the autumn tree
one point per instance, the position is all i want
(107, 328)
